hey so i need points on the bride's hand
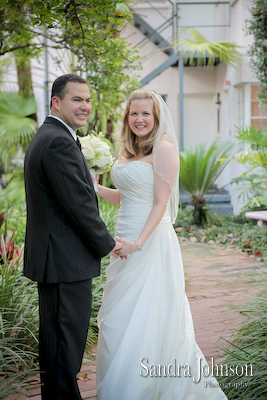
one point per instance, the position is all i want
(128, 248)
(116, 251)
(95, 179)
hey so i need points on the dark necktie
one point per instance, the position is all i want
(78, 143)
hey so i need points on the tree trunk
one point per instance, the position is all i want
(25, 79)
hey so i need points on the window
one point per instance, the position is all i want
(258, 116)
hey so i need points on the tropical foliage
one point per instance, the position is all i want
(16, 125)
(18, 314)
(200, 167)
(8, 250)
(233, 232)
(258, 50)
(198, 49)
(14, 190)
(249, 346)
(252, 184)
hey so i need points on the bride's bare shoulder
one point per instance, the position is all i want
(165, 145)
(166, 151)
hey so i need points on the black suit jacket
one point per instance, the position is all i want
(65, 237)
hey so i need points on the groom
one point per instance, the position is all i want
(65, 237)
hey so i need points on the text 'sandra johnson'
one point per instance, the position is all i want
(178, 370)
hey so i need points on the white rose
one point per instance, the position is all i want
(88, 152)
(97, 153)
(96, 143)
(105, 149)
(103, 161)
(85, 141)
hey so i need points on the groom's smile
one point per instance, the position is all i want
(75, 107)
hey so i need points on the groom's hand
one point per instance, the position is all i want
(115, 252)
(129, 247)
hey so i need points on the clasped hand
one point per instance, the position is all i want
(123, 248)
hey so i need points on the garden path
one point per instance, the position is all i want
(216, 280)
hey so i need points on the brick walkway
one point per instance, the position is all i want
(216, 280)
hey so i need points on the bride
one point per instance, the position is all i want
(146, 346)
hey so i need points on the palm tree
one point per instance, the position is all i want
(17, 125)
(201, 49)
(200, 167)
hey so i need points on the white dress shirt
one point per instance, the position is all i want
(73, 133)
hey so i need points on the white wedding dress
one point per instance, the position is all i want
(145, 320)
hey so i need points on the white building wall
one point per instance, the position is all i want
(200, 124)
(238, 91)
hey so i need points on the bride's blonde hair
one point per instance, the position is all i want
(129, 147)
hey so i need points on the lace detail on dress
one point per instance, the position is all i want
(162, 177)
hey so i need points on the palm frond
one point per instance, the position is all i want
(16, 125)
(251, 135)
(201, 49)
(14, 189)
(200, 167)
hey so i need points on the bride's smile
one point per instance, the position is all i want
(141, 118)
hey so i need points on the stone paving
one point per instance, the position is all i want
(216, 280)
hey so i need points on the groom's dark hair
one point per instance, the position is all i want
(59, 86)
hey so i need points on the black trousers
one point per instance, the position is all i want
(64, 310)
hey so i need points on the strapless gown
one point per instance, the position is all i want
(146, 346)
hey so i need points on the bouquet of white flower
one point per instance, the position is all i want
(97, 154)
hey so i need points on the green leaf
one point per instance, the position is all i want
(200, 167)
(201, 49)
(16, 126)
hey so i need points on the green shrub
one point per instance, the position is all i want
(16, 222)
(234, 231)
(109, 214)
(252, 184)
(249, 346)
(200, 167)
(19, 322)
(258, 50)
